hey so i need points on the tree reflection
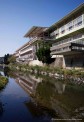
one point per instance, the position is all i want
(50, 95)
(6, 71)
(37, 110)
(1, 108)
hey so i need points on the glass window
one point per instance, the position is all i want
(56, 32)
(75, 22)
(79, 20)
(70, 25)
(62, 29)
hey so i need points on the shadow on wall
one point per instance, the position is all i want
(74, 61)
(58, 62)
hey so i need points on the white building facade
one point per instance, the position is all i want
(27, 53)
(66, 36)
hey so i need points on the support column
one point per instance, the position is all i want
(83, 18)
(64, 65)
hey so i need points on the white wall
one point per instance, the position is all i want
(35, 62)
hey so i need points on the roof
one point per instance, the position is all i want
(79, 8)
(34, 31)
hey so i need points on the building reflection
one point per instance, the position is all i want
(37, 110)
(60, 97)
(28, 82)
(60, 87)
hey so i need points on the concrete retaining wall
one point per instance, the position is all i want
(58, 62)
(35, 62)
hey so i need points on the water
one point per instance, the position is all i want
(29, 98)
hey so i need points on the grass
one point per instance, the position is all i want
(48, 69)
(3, 82)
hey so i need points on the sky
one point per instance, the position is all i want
(18, 16)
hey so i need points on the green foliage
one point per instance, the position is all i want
(82, 74)
(43, 53)
(9, 59)
(12, 59)
(48, 69)
(3, 82)
(44, 92)
(6, 59)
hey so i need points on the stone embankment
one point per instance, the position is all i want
(77, 80)
(76, 76)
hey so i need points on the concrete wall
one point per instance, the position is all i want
(58, 62)
(69, 61)
(35, 62)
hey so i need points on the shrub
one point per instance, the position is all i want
(3, 82)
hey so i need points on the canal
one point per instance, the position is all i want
(32, 98)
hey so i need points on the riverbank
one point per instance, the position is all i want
(3, 82)
(52, 94)
(76, 75)
(47, 96)
(46, 70)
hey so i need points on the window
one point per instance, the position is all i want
(70, 26)
(56, 32)
(62, 29)
(52, 34)
(77, 36)
(79, 20)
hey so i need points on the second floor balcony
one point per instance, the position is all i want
(70, 39)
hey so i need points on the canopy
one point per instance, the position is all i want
(35, 31)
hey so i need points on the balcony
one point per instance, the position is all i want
(67, 40)
(68, 48)
(59, 50)
(17, 55)
(26, 50)
(27, 57)
(77, 47)
(40, 38)
(68, 28)
(55, 33)
(71, 29)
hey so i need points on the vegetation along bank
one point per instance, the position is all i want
(58, 73)
(3, 82)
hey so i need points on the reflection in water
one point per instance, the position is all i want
(60, 87)
(6, 71)
(64, 98)
(28, 82)
(51, 98)
(1, 104)
(1, 108)
(39, 111)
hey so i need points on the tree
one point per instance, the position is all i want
(6, 59)
(43, 53)
(12, 59)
